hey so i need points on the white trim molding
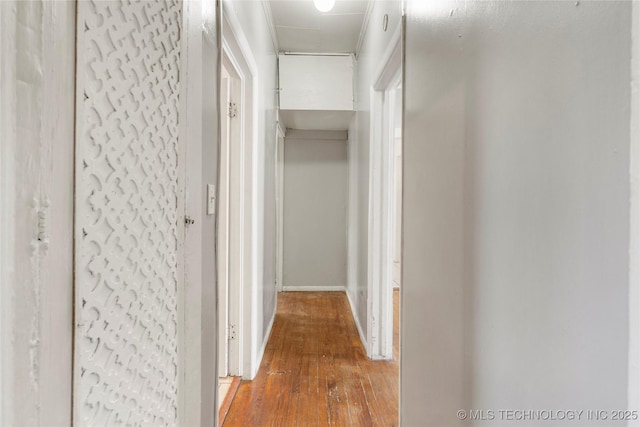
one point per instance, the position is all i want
(263, 347)
(37, 80)
(381, 209)
(237, 47)
(266, 5)
(365, 25)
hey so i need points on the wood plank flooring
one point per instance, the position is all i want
(315, 372)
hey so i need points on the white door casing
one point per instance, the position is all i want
(127, 213)
(223, 230)
(37, 80)
(381, 202)
(243, 298)
(230, 225)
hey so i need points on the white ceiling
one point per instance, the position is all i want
(300, 27)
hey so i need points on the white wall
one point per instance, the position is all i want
(315, 210)
(252, 19)
(36, 113)
(368, 62)
(4, 205)
(516, 208)
(634, 244)
(310, 82)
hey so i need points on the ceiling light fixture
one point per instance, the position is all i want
(324, 5)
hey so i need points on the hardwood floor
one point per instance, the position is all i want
(315, 372)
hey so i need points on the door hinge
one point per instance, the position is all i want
(233, 110)
(232, 332)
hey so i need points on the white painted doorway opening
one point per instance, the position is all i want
(238, 265)
(229, 222)
(382, 202)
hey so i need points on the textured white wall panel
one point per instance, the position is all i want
(127, 212)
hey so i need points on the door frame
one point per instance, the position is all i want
(36, 212)
(222, 225)
(191, 291)
(229, 239)
(8, 24)
(243, 300)
(381, 203)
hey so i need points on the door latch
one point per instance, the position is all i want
(189, 221)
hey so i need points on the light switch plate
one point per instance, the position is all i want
(211, 199)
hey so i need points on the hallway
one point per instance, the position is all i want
(315, 371)
(195, 190)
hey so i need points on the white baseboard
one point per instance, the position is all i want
(263, 347)
(314, 288)
(354, 313)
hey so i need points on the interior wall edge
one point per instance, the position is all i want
(634, 242)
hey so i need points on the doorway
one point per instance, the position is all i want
(385, 186)
(229, 226)
(237, 206)
(229, 242)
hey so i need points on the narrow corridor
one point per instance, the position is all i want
(315, 371)
(186, 184)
